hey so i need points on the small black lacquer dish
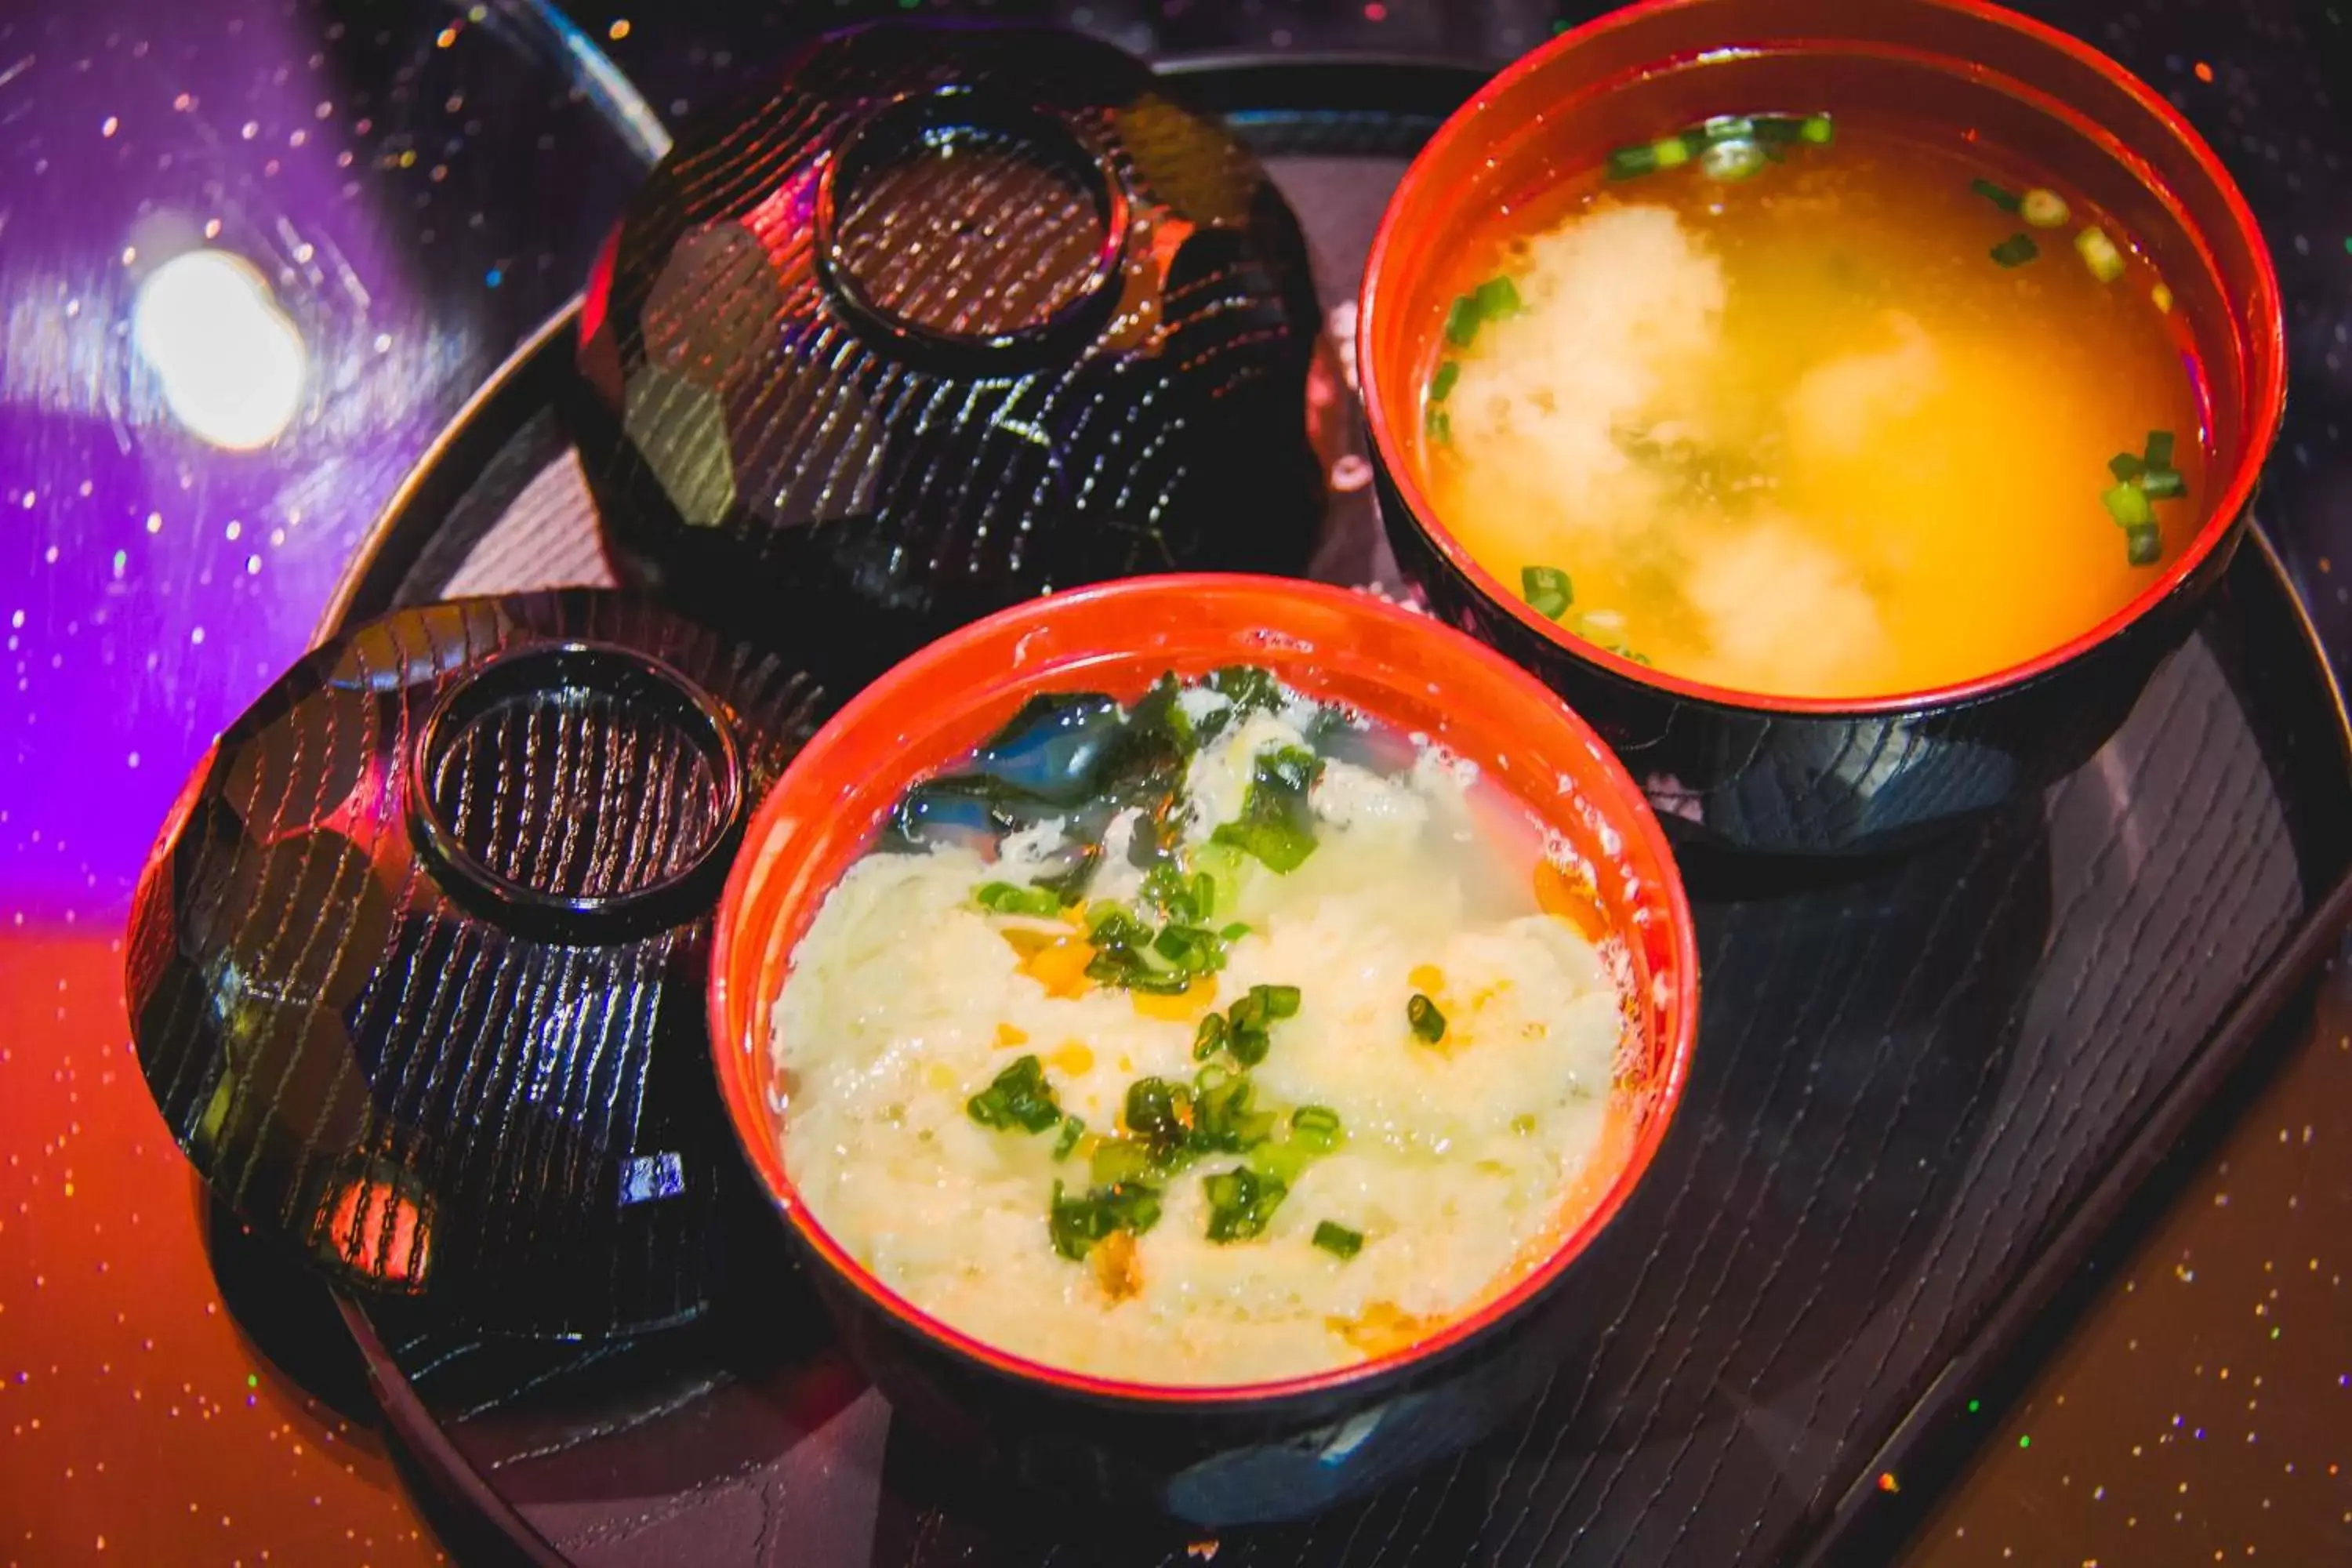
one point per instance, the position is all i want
(416, 966)
(949, 317)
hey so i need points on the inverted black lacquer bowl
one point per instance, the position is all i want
(417, 967)
(949, 317)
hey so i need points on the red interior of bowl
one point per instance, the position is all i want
(1961, 66)
(1403, 668)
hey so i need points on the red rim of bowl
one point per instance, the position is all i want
(2267, 324)
(1623, 809)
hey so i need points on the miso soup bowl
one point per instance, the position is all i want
(1203, 1457)
(1744, 770)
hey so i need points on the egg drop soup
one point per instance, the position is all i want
(1809, 409)
(1214, 1039)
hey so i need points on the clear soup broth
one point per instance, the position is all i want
(1811, 406)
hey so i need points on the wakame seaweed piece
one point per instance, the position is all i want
(1278, 820)
(1020, 1097)
(2007, 200)
(1055, 747)
(1337, 1239)
(1242, 1204)
(2015, 251)
(961, 810)
(1079, 1225)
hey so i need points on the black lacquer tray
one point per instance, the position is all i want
(1923, 1084)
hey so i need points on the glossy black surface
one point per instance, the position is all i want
(416, 979)
(793, 393)
(1910, 1069)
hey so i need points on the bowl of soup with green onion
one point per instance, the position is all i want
(1844, 406)
(1194, 1025)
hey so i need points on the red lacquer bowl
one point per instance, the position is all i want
(1753, 771)
(1208, 1457)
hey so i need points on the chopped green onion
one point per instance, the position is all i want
(1739, 159)
(1020, 1097)
(1160, 1112)
(1072, 1131)
(1317, 1127)
(1223, 1118)
(2100, 255)
(1007, 899)
(1443, 381)
(2162, 296)
(1241, 1203)
(1632, 162)
(2143, 544)
(1776, 130)
(1441, 426)
(1819, 129)
(1428, 1023)
(1280, 1001)
(1234, 931)
(2006, 200)
(1175, 895)
(2016, 250)
(1209, 1036)
(1076, 1224)
(2158, 452)
(2126, 467)
(1462, 322)
(1670, 152)
(1127, 969)
(2127, 504)
(1339, 1240)
(1496, 297)
(2043, 208)
(1119, 1161)
(2163, 484)
(1548, 590)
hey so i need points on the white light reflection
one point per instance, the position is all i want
(231, 364)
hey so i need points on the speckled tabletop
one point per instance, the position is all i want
(417, 187)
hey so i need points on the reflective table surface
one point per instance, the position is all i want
(363, 208)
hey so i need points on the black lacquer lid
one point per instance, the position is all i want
(948, 318)
(417, 970)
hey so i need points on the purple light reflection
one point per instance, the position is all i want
(153, 579)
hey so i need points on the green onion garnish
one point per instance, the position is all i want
(1670, 152)
(1241, 1203)
(2127, 504)
(2126, 467)
(1441, 426)
(1739, 159)
(1317, 1127)
(1462, 322)
(1234, 931)
(1443, 381)
(2163, 484)
(2100, 255)
(1496, 297)
(1548, 590)
(1428, 1023)
(1120, 1161)
(1072, 1131)
(1209, 1036)
(2016, 250)
(2143, 544)
(2043, 208)
(1007, 899)
(1631, 163)
(1077, 1224)
(1020, 1097)
(2006, 200)
(1819, 129)
(1339, 1240)
(2159, 451)
(1159, 1112)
